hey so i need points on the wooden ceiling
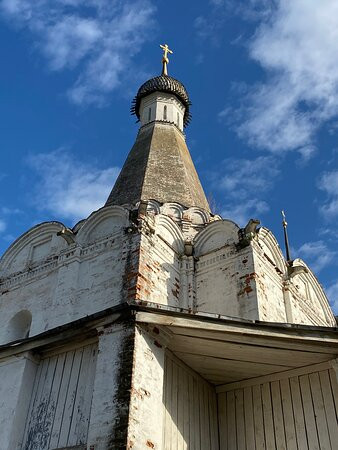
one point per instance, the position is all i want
(225, 353)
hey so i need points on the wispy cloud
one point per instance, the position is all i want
(97, 37)
(208, 26)
(317, 255)
(3, 226)
(243, 183)
(332, 293)
(5, 217)
(9, 211)
(329, 184)
(67, 188)
(243, 176)
(243, 211)
(296, 46)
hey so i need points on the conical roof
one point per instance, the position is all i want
(159, 167)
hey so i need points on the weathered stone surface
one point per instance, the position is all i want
(17, 378)
(146, 399)
(159, 167)
(166, 255)
(108, 428)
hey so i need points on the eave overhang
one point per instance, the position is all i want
(221, 349)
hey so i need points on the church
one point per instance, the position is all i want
(156, 324)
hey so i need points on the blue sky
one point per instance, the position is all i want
(263, 80)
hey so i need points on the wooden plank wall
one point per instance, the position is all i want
(61, 400)
(190, 409)
(296, 413)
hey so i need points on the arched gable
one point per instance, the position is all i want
(76, 228)
(270, 246)
(153, 207)
(35, 245)
(173, 210)
(170, 232)
(103, 223)
(216, 235)
(314, 291)
(197, 216)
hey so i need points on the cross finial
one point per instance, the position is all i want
(165, 59)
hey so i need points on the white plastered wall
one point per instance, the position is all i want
(153, 108)
(17, 376)
(224, 276)
(146, 402)
(65, 281)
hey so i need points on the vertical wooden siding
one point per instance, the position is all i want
(190, 409)
(61, 400)
(296, 413)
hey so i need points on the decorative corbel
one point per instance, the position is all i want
(188, 248)
(67, 234)
(292, 270)
(248, 233)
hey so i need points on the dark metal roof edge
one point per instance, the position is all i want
(124, 308)
(144, 306)
(129, 309)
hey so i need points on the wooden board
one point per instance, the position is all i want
(289, 420)
(245, 352)
(295, 413)
(268, 416)
(211, 366)
(61, 400)
(190, 420)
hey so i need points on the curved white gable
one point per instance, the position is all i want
(314, 291)
(35, 245)
(270, 246)
(216, 235)
(153, 207)
(197, 216)
(76, 228)
(103, 223)
(173, 210)
(170, 232)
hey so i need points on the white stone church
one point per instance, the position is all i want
(155, 324)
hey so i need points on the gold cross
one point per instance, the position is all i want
(165, 59)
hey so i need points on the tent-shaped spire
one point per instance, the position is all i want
(159, 166)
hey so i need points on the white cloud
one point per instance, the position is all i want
(5, 214)
(208, 26)
(241, 177)
(332, 293)
(2, 226)
(296, 45)
(9, 211)
(98, 37)
(317, 255)
(243, 181)
(329, 184)
(68, 188)
(241, 212)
